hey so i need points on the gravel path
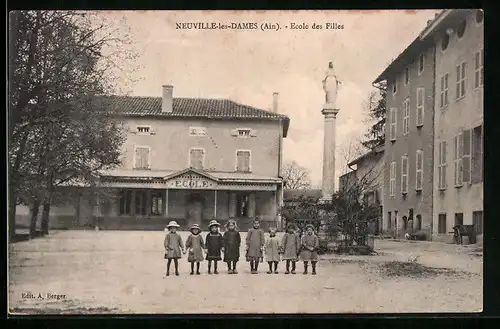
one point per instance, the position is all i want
(124, 272)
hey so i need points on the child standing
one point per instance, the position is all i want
(255, 245)
(195, 244)
(232, 242)
(290, 245)
(272, 248)
(213, 244)
(173, 247)
(309, 245)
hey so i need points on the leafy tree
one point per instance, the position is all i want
(295, 176)
(377, 114)
(58, 62)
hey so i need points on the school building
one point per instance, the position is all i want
(186, 159)
(434, 135)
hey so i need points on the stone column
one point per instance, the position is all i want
(251, 205)
(232, 204)
(328, 182)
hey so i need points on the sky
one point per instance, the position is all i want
(248, 66)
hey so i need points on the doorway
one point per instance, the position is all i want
(194, 209)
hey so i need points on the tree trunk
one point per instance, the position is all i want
(34, 218)
(45, 217)
(12, 213)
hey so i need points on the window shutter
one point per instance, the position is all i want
(458, 82)
(253, 133)
(466, 156)
(234, 132)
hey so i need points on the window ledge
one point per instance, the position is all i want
(135, 168)
(459, 185)
(420, 125)
(418, 190)
(393, 140)
(460, 98)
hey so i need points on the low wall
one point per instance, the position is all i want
(68, 222)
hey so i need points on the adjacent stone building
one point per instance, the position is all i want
(458, 124)
(433, 176)
(408, 168)
(186, 159)
(368, 170)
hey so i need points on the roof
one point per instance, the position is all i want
(167, 174)
(377, 150)
(189, 107)
(423, 41)
(295, 194)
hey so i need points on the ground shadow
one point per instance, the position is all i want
(19, 237)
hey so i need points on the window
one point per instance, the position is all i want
(389, 220)
(457, 162)
(125, 202)
(442, 165)
(479, 16)
(421, 63)
(392, 130)
(419, 170)
(145, 130)
(479, 69)
(406, 116)
(477, 155)
(477, 220)
(243, 161)
(197, 131)
(407, 75)
(442, 223)
(394, 86)
(404, 174)
(460, 88)
(142, 157)
(445, 41)
(420, 106)
(466, 156)
(140, 203)
(196, 157)
(242, 205)
(405, 222)
(418, 224)
(443, 100)
(392, 179)
(244, 132)
(157, 202)
(461, 28)
(459, 219)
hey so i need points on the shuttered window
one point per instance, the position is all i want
(243, 161)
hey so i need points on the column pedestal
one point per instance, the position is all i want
(328, 182)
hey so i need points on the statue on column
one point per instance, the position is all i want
(331, 86)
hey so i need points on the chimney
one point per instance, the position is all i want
(275, 102)
(167, 97)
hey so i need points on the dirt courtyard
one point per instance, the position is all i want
(124, 272)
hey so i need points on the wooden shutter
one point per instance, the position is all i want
(458, 82)
(419, 170)
(234, 132)
(420, 106)
(466, 156)
(142, 158)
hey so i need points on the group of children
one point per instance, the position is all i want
(290, 248)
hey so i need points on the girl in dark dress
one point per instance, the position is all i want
(213, 245)
(232, 242)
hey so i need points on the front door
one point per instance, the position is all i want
(194, 209)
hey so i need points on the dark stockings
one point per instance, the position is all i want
(233, 265)
(313, 264)
(254, 265)
(176, 264)
(197, 267)
(210, 266)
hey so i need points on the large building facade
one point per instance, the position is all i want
(434, 129)
(458, 125)
(189, 160)
(408, 164)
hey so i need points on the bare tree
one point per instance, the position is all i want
(295, 176)
(59, 61)
(352, 211)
